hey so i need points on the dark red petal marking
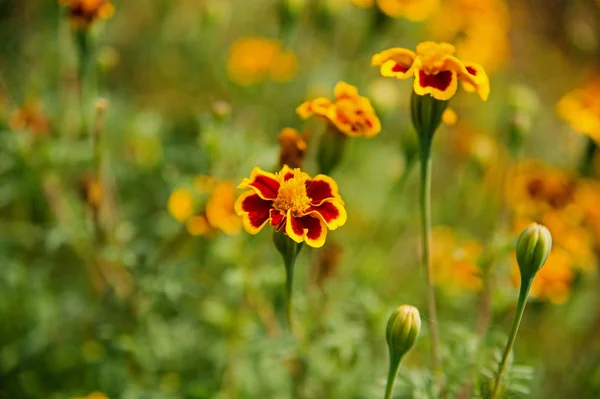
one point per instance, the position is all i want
(369, 123)
(440, 81)
(315, 229)
(267, 186)
(296, 225)
(276, 218)
(328, 210)
(318, 190)
(257, 209)
(472, 71)
(399, 68)
(288, 176)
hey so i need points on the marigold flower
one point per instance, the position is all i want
(253, 59)
(413, 10)
(181, 204)
(435, 69)
(292, 148)
(303, 207)
(581, 108)
(82, 13)
(351, 113)
(449, 117)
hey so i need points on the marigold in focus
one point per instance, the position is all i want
(293, 202)
(435, 68)
(82, 13)
(581, 108)
(350, 113)
(413, 10)
(252, 59)
(292, 148)
(455, 261)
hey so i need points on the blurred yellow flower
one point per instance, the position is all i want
(553, 281)
(455, 261)
(220, 211)
(449, 117)
(94, 395)
(581, 108)
(82, 13)
(30, 117)
(253, 59)
(351, 113)
(292, 148)
(479, 28)
(363, 3)
(198, 225)
(413, 10)
(435, 69)
(181, 204)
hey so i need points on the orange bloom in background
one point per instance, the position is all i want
(30, 117)
(553, 281)
(581, 108)
(82, 13)
(350, 113)
(292, 148)
(254, 59)
(206, 209)
(455, 261)
(435, 68)
(303, 207)
(449, 117)
(413, 10)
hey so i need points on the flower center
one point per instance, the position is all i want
(292, 194)
(433, 55)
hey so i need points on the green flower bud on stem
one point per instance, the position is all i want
(331, 149)
(401, 333)
(426, 115)
(533, 247)
(289, 250)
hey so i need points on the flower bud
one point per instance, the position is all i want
(402, 330)
(533, 247)
(288, 248)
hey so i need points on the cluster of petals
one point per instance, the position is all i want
(350, 113)
(435, 68)
(83, 12)
(293, 202)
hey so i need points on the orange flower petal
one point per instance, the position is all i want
(344, 90)
(475, 79)
(309, 229)
(263, 183)
(318, 106)
(441, 86)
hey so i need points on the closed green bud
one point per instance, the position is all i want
(401, 333)
(402, 330)
(533, 247)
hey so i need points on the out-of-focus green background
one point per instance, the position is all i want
(103, 289)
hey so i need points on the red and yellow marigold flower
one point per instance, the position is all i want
(293, 202)
(82, 13)
(350, 113)
(435, 68)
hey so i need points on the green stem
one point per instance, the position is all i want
(289, 290)
(425, 200)
(523, 294)
(392, 373)
(587, 161)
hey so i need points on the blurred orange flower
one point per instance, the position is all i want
(581, 108)
(82, 13)
(253, 59)
(181, 204)
(435, 69)
(30, 117)
(455, 261)
(220, 211)
(413, 10)
(351, 114)
(303, 207)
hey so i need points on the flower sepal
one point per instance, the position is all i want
(288, 248)
(426, 115)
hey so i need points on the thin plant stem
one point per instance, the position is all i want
(391, 380)
(425, 200)
(289, 291)
(523, 294)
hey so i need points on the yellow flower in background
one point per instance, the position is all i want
(581, 108)
(554, 280)
(254, 59)
(292, 148)
(435, 68)
(220, 211)
(455, 261)
(449, 117)
(350, 113)
(181, 204)
(413, 10)
(208, 208)
(82, 13)
(479, 29)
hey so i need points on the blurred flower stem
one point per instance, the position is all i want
(84, 53)
(587, 158)
(289, 250)
(523, 295)
(101, 106)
